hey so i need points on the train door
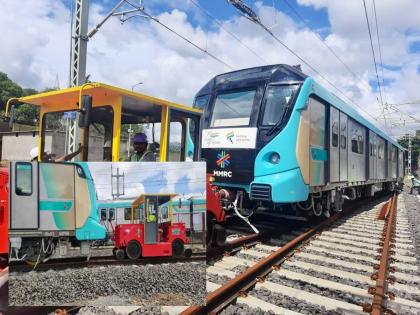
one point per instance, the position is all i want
(372, 155)
(57, 197)
(23, 183)
(343, 147)
(151, 220)
(334, 160)
(400, 164)
(317, 143)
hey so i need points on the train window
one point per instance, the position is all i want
(233, 109)
(111, 214)
(394, 154)
(381, 151)
(103, 214)
(357, 139)
(201, 101)
(374, 147)
(343, 137)
(276, 103)
(23, 181)
(334, 134)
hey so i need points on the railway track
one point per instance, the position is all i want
(79, 262)
(341, 266)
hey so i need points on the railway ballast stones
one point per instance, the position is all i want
(133, 284)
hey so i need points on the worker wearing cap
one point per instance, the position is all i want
(141, 152)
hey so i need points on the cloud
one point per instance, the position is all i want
(37, 41)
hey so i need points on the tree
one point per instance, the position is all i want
(8, 89)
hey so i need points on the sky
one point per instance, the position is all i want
(184, 179)
(36, 38)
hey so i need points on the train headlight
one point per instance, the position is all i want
(212, 179)
(274, 158)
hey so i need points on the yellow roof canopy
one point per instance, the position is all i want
(101, 93)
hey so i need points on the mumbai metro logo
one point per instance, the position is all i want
(223, 159)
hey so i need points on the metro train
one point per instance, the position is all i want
(51, 206)
(276, 140)
(54, 206)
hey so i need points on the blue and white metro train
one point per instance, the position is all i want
(275, 139)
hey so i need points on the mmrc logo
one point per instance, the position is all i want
(223, 159)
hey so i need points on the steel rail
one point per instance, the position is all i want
(224, 295)
(73, 262)
(380, 292)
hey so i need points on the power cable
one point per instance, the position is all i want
(155, 19)
(373, 53)
(254, 18)
(380, 50)
(226, 30)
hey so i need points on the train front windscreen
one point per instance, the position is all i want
(237, 123)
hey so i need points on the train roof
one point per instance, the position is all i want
(115, 203)
(280, 73)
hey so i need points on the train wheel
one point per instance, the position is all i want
(133, 250)
(177, 248)
(119, 254)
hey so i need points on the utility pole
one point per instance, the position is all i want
(80, 37)
(77, 65)
(117, 178)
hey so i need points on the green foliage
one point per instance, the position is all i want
(415, 150)
(8, 89)
(27, 114)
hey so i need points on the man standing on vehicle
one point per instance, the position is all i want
(141, 152)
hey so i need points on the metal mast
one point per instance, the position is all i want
(77, 64)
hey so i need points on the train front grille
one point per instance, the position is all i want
(260, 192)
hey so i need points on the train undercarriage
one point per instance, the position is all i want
(38, 249)
(320, 203)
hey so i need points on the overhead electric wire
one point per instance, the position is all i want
(180, 36)
(373, 52)
(323, 41)
(226, 30)
(380, 50)
(258, 22)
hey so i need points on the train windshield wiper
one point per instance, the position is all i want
(279, 122)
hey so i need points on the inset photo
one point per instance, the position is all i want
(102, 233)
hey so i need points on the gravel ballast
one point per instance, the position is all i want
(412, 206)
(164, 284)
